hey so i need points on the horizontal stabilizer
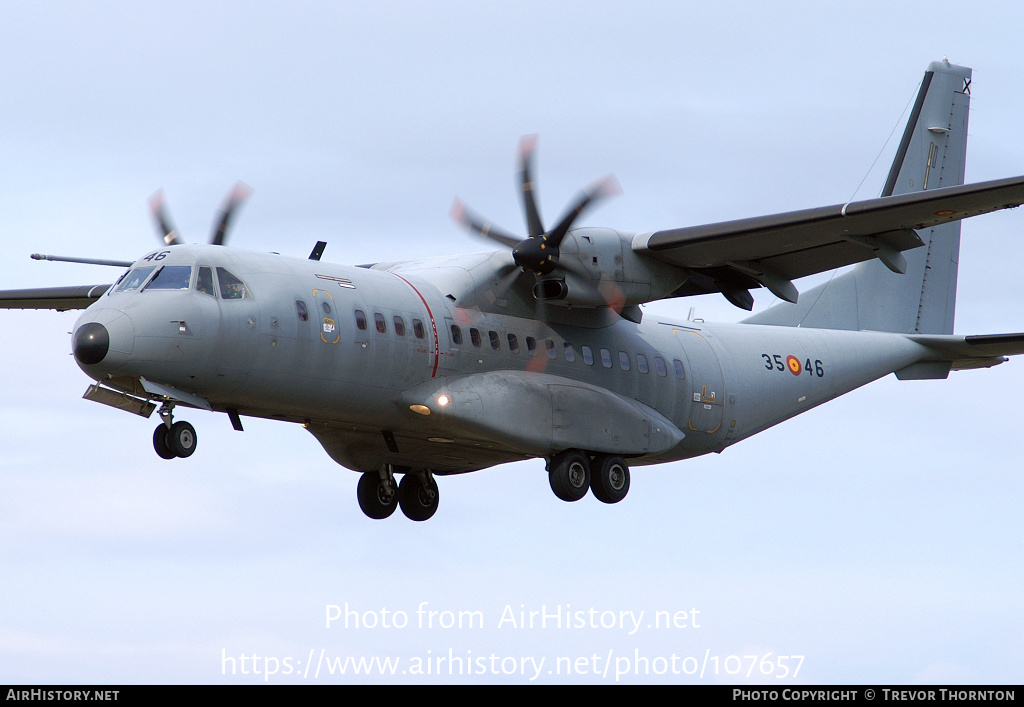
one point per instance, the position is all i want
(965, 352)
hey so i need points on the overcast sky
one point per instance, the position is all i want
(878, 536)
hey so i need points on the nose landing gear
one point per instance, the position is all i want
(173, 439)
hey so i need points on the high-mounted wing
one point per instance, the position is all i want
(772, 251)
(59, 298)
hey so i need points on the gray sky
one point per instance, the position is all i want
(879, 536)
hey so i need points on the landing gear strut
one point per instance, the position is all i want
(173, 439)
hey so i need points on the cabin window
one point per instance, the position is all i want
(513, 343)
(399, 325)
(326, 306)
(231, 287)
(495, 340)
(474, 336)
(641, 364)
(204, 282)
(300, 307)
(659, 366)
(624, 360)
(678, 365)
(456, 334)
(606, 358)
(531, 345)
(378, 320)
(550, 345)
(135, 279)
(417, 329)
(171, 277)
(570, 354)
(360, 320)
(588, 355)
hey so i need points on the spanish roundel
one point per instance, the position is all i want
(794, 365)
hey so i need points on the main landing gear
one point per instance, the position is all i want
(572, 472)
(173, 439)
(379, 494)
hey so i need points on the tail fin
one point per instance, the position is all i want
(931, 155)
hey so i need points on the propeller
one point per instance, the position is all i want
(169, 235)
(538, 252)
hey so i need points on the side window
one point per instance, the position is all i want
(204, 282)
(495, 340)
(399, 325)
(456, 335)
(231, 287)
(570, 353)
(588, 355)
(474, 336)
(513, 343)
(659, 366)
(300, 307)
(378, 320)
(641, 363)
(550, 345)
(531, 345)
(606, 358)
(417, 329)
(360, 320)
(624, 360)
(678, 365)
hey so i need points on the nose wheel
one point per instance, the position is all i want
(173, 440)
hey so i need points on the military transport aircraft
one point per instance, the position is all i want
(426, 368)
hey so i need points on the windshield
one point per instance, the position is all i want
(135, 278)
(171, 277)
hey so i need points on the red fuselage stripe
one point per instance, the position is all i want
(433, 324)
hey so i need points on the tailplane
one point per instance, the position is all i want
(872, 297)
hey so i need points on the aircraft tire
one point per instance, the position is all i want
(181, 439)
(418, 496)
(609, 478)
(569, 475)
(163, 450)
(376, 500)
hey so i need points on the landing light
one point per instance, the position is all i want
(443, 400)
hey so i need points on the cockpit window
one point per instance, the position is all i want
(231, 287)
(171, 277)
(204, 281)
(135, 278)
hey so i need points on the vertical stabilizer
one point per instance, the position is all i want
(930, 155)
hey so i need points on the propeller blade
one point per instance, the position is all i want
(599, 190)
(471, 222)
(533, 221)
(163, 222)
(236, 198)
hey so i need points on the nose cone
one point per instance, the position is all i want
(103, 342)
(91, 344)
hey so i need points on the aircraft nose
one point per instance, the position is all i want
(103, 341)
(91, 344)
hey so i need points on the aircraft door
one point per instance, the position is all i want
(707, 383)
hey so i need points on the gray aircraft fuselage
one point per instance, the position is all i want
(293, 350)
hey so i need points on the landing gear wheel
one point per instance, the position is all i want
(181, 439)
(418, 496)
(378, 499)
(569, 475)
(609, 479)
(163, 450)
